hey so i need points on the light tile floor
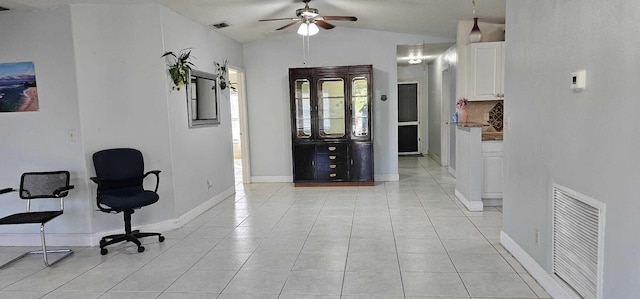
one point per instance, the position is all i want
(406, 239)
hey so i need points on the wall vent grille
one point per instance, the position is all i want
(578, 227)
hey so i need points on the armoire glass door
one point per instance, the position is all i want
(359, 107)
(303, 108)
(331, 112)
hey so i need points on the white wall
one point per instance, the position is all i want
(587, 141)
(418, 73)
(37, 141)
(267, 62)
(206, 153)
(123, 101)
(446, 60)
(100, 73)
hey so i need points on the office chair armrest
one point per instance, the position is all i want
(157, 174)
(7, 190)
(62, 191)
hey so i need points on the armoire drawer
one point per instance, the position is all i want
(331, 158)
(333, 167)
(332, 148)
(338, 175)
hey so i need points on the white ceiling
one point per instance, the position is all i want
(425, 17)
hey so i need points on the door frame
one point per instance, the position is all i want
(413, 123)
(445, 95)
(244, 124)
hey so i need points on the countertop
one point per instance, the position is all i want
(470, 125)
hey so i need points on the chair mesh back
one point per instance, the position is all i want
(122, 166)
(42, 184)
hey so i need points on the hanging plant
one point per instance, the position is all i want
(221, 73)
(179, 67)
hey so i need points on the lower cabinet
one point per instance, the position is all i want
(492, 169)
(333, 162)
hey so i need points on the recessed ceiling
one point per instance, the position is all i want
(424, 17)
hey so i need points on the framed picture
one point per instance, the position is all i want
(18, 88)
(202, 99)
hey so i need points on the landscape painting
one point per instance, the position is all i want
(18, 89)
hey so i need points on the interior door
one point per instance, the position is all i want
(408, 119)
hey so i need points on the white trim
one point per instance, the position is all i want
(417, 122)
(435, 157)
(244, 125)
(492, 202)
(473, 206)
(272, 179)
(86, 239)
(452, 171)
(387, 177)
(545, 279)
(444, 116)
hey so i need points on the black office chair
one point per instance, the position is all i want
(120, 175)
(38, 185)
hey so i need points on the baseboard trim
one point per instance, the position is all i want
(93, 239)
(545, 279)
(272, 179)
(386, 177)
(475, 206)
(492, 202)
(451, 171)
(435, 157)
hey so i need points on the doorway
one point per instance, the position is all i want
(239, 126)
(408, 118)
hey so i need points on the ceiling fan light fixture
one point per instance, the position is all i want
(308, 29)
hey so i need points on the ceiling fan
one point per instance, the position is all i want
(310, 20)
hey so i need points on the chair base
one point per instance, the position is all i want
(133, 237)
(65, 252)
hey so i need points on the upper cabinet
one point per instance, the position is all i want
(485, 71)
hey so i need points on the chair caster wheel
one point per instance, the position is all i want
(103, 251)
(161, 238)
(140, 248)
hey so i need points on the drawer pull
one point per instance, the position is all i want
(332, 166)
(333, 175)
(332, 157)
(332, 148)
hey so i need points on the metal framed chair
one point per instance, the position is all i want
(40, 185)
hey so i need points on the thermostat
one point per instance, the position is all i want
(579, 80)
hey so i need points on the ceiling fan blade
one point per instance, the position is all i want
(288, 25)
(279, 19)
(324, 24)
(339, 18)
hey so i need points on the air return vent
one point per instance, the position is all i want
(578, 228)
(220, 25)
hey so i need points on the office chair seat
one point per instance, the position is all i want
(122, 201)
(30, 217)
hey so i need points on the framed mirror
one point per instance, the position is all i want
(202, 99)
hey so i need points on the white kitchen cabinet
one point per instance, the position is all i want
(492, 170)
(485, 71)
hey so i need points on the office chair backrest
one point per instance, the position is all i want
(43, 184)
(123, 167)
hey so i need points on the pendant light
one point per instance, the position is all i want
(475, 35)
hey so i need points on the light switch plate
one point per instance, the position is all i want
(579, 80)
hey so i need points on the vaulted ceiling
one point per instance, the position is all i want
(424, 17)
